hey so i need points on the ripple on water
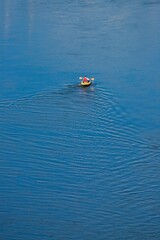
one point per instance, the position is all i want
(76, 151)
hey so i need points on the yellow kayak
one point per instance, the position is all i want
(85, 84)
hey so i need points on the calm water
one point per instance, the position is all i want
(79, 163)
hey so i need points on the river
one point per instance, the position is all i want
(79, 163)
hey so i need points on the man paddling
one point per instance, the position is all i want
(85, 79)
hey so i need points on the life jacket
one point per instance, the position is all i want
(85, 79)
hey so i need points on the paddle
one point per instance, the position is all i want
(81, 78)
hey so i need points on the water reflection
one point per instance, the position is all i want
(30, 18)
(7, 18)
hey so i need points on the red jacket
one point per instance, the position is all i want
(85, 79)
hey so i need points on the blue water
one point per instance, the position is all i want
(79, 163)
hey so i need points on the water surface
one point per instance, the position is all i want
(79, 163)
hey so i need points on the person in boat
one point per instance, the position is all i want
(85, 79)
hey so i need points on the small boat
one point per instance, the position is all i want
(86, 84)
